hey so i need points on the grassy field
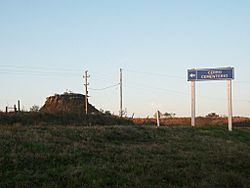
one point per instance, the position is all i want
(124, 156)
(199, 121)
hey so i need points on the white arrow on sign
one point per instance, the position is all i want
(192, 75)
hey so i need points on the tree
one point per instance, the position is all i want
(212, 115)
(124, 113)
(155, 114)
(168, 115)
(34, 108)
(107, 112)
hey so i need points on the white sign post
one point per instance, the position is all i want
(193, 103)
(226, 73)
(158, 118)
(230, 111)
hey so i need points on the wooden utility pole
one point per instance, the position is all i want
(18, 106)
(121, 112)
(15, 110)
(86, 76)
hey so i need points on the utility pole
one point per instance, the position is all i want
(86, 76)
(121, 112)
(18, 106)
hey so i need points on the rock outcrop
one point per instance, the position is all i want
(67, 103)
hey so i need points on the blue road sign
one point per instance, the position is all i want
(211, 74)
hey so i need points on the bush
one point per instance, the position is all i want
(212, 115)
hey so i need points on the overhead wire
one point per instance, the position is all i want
(242, 82)
(37, 71)
(154, 73)
(178, 92)
(104, 88)
(156, 88)
(141, 86)
(45, 71)
(39, 68)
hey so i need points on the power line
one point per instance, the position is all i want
(40, 68)
(141, 86)
(153, 73)
(11, 68)
(45, 71)
(40, 74)
(181, 93)
(104, 88)
(241, 82)
(36, 71)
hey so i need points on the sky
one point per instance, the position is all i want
(46, 45)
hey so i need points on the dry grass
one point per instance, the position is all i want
(200, 121)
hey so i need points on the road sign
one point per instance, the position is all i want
(225, 73)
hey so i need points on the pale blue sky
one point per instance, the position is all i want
(46, 45)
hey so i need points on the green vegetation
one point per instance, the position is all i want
(41, 118)
(124, 156)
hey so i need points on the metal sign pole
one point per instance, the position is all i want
(230, 111)
(193, 103)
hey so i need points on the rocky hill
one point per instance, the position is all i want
(67, 103)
